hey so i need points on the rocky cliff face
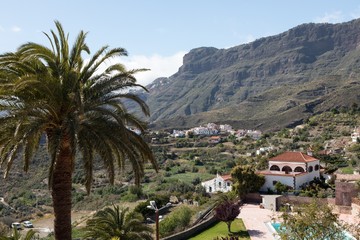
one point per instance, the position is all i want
(269, 83)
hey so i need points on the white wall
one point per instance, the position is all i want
(217, 185)
(289, 179)
(269, 181)
(313, 174)
(300, 180)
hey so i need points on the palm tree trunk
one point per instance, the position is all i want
(61, 191)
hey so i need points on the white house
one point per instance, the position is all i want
(204, 131)
(178, 133)
(218, 184)
(212, 126)
(355, 135)
(263, 150)
(254, 134)
(225, 128)
(291, 168)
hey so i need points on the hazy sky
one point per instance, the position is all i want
(157, 33)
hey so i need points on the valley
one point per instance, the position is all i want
(184, 163)
(272, 124)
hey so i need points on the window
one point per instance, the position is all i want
(310, 168)
(316, 167)
(228, 184)
(274, 182)
(274, 168)
(299, 169)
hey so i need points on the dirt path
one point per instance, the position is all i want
(45, 225)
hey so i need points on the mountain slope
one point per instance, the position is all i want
(270, 83)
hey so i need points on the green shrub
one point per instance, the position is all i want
(136, 190)
(354, 148)
(180, 187)
(161, 200)
(178, 220)
(130, 197)
(281, 188)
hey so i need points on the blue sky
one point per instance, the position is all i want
(157, 33)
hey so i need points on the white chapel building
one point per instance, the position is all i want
(290, 168)
(218, 184)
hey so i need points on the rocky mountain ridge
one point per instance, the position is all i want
(270, 83)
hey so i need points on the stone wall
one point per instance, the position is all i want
(344, 192)
(297, 200)
(253, 198)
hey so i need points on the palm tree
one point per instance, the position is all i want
(56, 93)
(30, 235)
(117, 223)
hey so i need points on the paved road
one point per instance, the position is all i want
(2, 200)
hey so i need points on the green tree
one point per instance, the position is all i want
(54, 92)
(227, 210)
(246, 180)
(281, 188)
(116, 222)
(312, 222)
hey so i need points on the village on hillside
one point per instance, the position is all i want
(315, 160)
(294, 169)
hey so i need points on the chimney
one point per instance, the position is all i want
(309, 152)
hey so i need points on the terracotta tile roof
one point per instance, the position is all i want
(215, 137)
(226, 177)
(293, 157)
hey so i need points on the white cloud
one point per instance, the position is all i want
(16, 29)
(160, 66)
(334, 17)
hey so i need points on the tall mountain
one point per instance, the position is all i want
(270, 83)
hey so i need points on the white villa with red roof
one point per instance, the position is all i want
(291, 168)
(218, 184)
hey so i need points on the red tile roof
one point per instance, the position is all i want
(226, 177)
(215, 137)
(293, 157)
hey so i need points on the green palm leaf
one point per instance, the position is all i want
(54, 92)
(117, 223)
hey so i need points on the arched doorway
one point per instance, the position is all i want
(286, 169)
(274, 168)
(299, 169)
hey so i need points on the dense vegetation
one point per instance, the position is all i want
(185, 162)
